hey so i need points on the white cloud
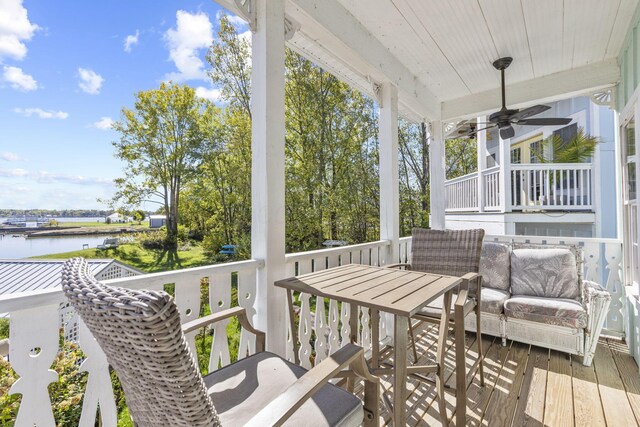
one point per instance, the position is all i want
(90, 81)
(210, 94)
(10, 157)
(13, 172)
(15, 29)
(19, 80)
(49, 177)
(131, 40)
(104, 123)
(43, 114)
(234, 20)
(193, 33)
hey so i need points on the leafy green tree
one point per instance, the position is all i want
(162, 141)
(139, 215)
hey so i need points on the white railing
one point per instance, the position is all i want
(563, 186)
(491, 179)
(324, 317)
(462, 193)
(602, 264)
(35, 324)
(541, 186)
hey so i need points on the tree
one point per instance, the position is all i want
(162, 141)
(414, 175)
(139, 215)
(578, 149)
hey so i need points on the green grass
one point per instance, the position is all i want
(148, 260)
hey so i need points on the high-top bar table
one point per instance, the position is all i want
(401, 293)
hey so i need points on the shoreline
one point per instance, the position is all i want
(69, 231)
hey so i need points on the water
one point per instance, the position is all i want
(21, 247)
(74, 219)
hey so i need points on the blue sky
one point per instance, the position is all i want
(66, 70)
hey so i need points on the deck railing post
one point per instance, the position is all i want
(437, 176)
(481, 142)
(267, 183)
(505, 175)
(389, 176)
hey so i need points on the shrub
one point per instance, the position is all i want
(4, 328)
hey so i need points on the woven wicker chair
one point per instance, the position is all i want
(451, 253)
(141, 334)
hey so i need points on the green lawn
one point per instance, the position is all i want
(148, 260)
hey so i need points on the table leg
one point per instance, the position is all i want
(375, 338)
(292, 325)
(461, 369)
(441, 355)
(401, 326)
(354, 325)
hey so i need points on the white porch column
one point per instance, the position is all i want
(267, 172)
(437, 176)
(505, 175)
(481, 154)
(389, 177)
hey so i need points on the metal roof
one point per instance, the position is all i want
(30, 275)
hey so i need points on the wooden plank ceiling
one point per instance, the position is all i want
(449, 45)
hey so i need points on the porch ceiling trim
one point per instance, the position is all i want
(552, 87)
(327, 24)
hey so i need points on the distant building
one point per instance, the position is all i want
(116, 218)
(157, 221)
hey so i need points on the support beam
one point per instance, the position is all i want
(505, 175)
(267, 172)
(481, 155)
(553, 87)
(437, 176)
(389, 176)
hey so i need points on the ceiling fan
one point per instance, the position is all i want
(505, 118)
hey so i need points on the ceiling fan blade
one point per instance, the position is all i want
(471, 133)
(548, 121)
(507, 132)
(528, 112)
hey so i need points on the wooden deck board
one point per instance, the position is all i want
(628, 373)
(617, 410)
(559, 397)
(528, 386)
(586, 396)
(504, 398)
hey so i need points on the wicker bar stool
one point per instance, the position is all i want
(141, 335)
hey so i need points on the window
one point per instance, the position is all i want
(516, 155)
(567, 132)
(536, 147)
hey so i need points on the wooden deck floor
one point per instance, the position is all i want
(532, 386)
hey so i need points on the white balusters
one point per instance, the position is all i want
(99, 391)
(34, 340)
(246, 300)
(591, 254)
(334, 332)
(322, 333)
(613, 257)
(219, 299)
(188, 302)
(345, 330)
(365, 332)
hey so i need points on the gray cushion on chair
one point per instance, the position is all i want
(550, 273)
(551, 311)
(241, 389)
(495, 266)
(493, 300)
